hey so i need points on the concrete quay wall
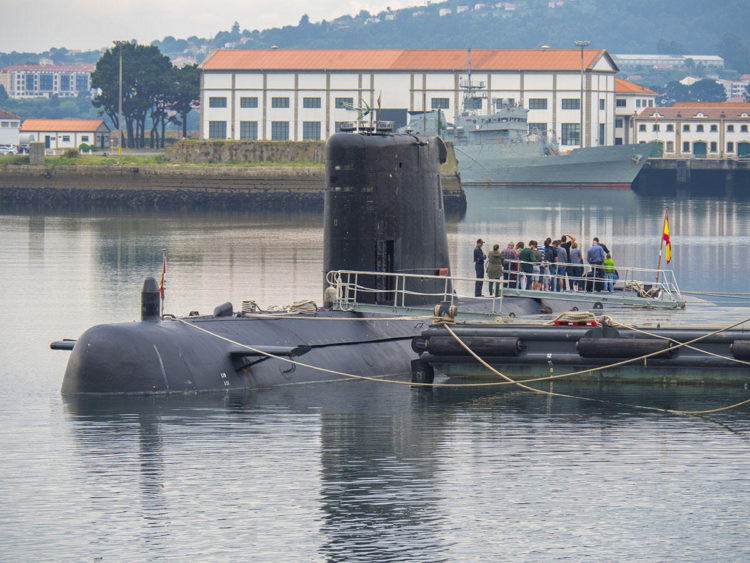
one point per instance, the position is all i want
(163, 187)
(694, 176)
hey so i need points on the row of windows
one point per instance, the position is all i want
(279, 102)
(699, 146)
(279, 130)
(47, 82)
(644, 103)
(686, 127)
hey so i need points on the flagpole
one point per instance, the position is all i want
(163, 275)
(661, 246)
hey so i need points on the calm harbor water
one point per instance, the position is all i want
(354, 471)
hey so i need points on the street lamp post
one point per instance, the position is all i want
(119, 44)
(582, 44)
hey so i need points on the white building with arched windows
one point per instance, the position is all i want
(697, 130)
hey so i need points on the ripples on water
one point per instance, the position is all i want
(351, 471)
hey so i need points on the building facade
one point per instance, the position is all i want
(697, 130)
(9, 126)
(60, 134)
(307, 95)
(630, 100)
(36, 81)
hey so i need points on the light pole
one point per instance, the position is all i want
(582, 44)
(119, 44)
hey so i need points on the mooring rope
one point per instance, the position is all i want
(507, 380)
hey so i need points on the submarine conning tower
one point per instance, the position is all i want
(384, 212)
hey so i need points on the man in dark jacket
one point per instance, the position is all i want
(479, 257)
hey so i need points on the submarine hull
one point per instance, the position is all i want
(220, 354)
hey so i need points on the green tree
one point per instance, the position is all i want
(186, 93)
(707, 90)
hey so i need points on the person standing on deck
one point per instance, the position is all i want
(595, 257)
(495, 269)
(509, 264)
(479, 258)
(562, 265)
(609, 274)
(527, 256)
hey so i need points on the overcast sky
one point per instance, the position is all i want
(37, 25)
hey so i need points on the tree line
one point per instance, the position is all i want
(154, 92)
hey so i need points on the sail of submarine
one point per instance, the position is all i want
(383, 213)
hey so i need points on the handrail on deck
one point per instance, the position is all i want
(632, 282)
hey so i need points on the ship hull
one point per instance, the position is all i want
(595, 167)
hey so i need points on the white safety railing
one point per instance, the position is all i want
(397, 289)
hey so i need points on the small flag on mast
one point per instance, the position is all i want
(163, 273)
(665, 237)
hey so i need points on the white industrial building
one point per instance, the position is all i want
(630, 100)
(298, 95)
(697, 130)
(9, 125)
(60, 134)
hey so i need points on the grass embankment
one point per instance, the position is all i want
(137, 160)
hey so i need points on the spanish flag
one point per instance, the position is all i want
(665, 237)
(164, 272)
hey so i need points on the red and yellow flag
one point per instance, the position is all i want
(665, 237)
(163, 273)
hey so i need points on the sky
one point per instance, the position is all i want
(37, 25)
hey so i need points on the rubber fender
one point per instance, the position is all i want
(419, 343)
(622, 347)
(446, 345)
(421, 372)
(741, 349)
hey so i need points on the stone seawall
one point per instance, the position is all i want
(214, 152)
(164, 187)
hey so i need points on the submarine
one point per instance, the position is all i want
(383, 214)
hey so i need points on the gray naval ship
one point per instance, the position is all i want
(499, 149)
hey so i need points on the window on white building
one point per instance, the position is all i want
(650, 103)
(311, 103)
(699, 128)
(655, 127)
(473, 103)
(440, 103)
(642, 127)
(217, 129)
(601, 103)
(637, 103)
(82, 82)
(311, 130)
(743, 128)
(686, 147)
(500, 103)
(64, 83)
(621, 102)
(66, 139)
(618, 140)
(84, 138)
(570, 134)
(730, 147)
(730, 128)
(670, 146)
(537, 103)
(280, 102)
(344, 103)
(571, 103)
(670, 127)
(280, 130)
(714, 146)
(29, 82)
(45, 82)
(540, 128)
(249, 102)
(686, 128)
(217, 102)
(618, 123)
(249, 130)
(714, 128)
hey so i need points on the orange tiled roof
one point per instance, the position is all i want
(729, 105)
(690, 112)
(625, 87)
(71, 125)
(6, 115)
(453, 60)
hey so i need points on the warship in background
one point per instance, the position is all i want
(499, 149)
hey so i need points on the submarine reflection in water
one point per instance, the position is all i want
(383, 213)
